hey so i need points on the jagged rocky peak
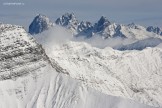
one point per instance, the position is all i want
(39, 24)
(84, 25)
(85, 28)
(113, 30)
(156, 30)
(67, 20)
(133, 25)
(102, 24)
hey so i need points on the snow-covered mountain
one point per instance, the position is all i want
(28, 79)
(69, 21)
(106, 29)
(40, 24)
(136, 31)
(156, 30)
(103, 27)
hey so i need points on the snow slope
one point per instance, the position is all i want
(29, 80)
(130, 74)
(136, 32)
(54, 90)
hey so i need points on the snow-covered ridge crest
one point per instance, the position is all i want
(18, 52)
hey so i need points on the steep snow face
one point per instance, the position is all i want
(27, 79)
(136, 32)
(156, 30)
(40, 24)
(69, 21)
(105, 29)
(130, 74)
(131, 31)
(112, 31)
(19, 53)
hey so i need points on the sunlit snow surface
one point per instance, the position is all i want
(54, 90)
(130, 74)
(28, 79)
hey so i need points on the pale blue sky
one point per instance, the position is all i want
(143, 12)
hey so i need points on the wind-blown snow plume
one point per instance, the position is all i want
(56, 35)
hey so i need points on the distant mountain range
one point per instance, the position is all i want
(103, 27)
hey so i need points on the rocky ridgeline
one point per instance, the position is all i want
(69, 21)
(102, 27)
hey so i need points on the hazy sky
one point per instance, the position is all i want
(143, 12)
